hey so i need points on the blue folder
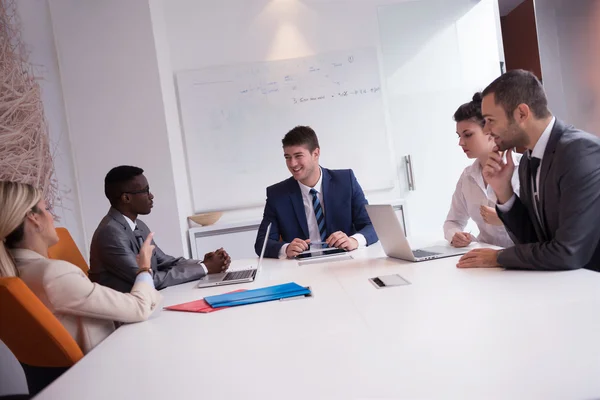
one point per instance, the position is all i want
(257, 295)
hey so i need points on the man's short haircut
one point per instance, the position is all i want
(519, 87)
(115, 180)
(301, 136)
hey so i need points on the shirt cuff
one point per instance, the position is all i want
(282, 251)
(360, 238)
(145, 277)
(508, 205)
(203, 267)
(449, 234)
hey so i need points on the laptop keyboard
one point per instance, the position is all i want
(423, 253)
(234, 275)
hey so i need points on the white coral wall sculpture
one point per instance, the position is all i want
(25, 154)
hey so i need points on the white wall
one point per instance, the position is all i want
(120, 96)
(497, 14)
(436, 54)
(169, 99)
(265, 30)
(113, 95)
(36, 28)
(121, 101)
(568, 36)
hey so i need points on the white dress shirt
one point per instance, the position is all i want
(133, 227)
(131, 224)
(470, 194)
(538, 151)
(311, 219)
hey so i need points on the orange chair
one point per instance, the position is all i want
(33, 334)
(67, 250)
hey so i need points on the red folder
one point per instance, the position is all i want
(198, 306)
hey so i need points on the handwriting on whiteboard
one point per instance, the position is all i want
(298, 79)
(345, 93)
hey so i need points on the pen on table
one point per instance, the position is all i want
(292, 298)
(302, 296)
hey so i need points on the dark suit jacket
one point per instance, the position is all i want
(344, 205)
(113, 251)
(569, 236)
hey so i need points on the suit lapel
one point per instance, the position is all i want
(144, 230)
(117, 216)
(296, 199)
(527, 196)
(328, 189)
(555, 135)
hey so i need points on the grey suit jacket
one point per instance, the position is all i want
(569, 235)
(113, 251)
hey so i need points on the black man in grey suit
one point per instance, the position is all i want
(120, 234)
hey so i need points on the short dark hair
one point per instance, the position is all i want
(301, 135)
(519, 87)
(471, 111)
(116, 178)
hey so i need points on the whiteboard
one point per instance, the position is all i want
(234, 118)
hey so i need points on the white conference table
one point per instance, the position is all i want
(451, 334)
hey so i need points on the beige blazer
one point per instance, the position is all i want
(87, 310)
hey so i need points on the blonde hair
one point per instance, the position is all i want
(16, 200)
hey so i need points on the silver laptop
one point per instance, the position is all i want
(394, 242)
(240, 276)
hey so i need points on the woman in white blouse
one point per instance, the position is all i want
(474, 198)
(87, 310)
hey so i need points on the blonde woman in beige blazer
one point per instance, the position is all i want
(87, 310)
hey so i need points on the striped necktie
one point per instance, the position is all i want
(319, 214)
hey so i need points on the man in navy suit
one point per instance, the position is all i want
(314, 205)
